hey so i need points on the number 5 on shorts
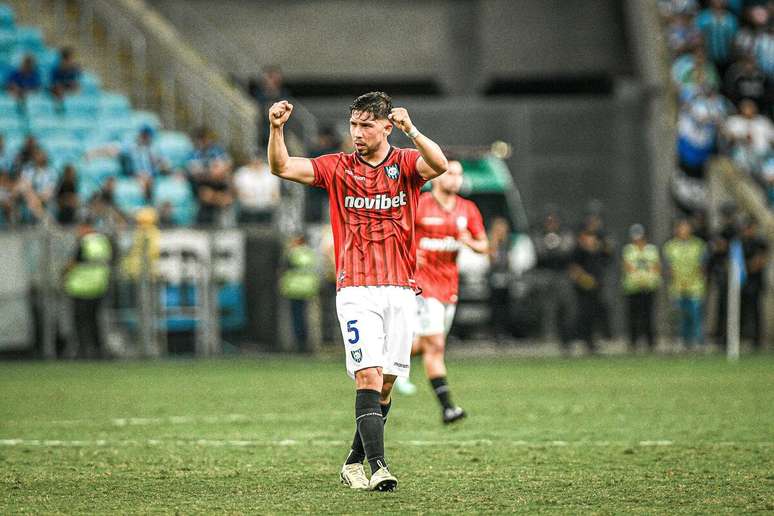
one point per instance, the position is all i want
(351, 329)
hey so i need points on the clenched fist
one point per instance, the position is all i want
(400, 117)
(279, 113)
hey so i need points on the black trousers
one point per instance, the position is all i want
(300, 331)
(592, 315)
(640, 307)
(87, 328)
(751, 316)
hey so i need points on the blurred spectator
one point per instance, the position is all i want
(37, 184)
(216, 195)
(138, 158)
(500, 277)
(8, 182)
(719, 27)
(691, 71)
(270, 87)
(143, 255)
(174, 199)
(682, 34)
(685, 256)
(329, 321)
(300, 283)
(745, 80)
(750, 136)
(641, 280)
(6, 160)
(764, 51)
(25, 155)
(756, 258)
(670, 8)
(718, 268)
(328, 142)
(65, 76)
(258, 191)
(696, 138)
(67, 196)
(25, 79)
(554, 245)
(206, 150)
(86, 281)
(587, 270)
(757, 18)
(102, 208)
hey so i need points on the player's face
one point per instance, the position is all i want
(368, 133)
(451, 181)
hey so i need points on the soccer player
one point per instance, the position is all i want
(445, 223)
(373, 196)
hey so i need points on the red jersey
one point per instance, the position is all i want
(436, 234)
(372, 216)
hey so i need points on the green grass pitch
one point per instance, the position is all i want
(268, 435)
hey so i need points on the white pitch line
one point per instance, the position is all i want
(236, 443)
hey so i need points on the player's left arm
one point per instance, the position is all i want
(474, 235)
(432, 162)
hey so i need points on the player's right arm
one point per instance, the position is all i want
(282, 165)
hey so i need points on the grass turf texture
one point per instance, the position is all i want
(648, 435)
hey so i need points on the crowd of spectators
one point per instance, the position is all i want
(576, 267)
(723, 69)
(205, 191)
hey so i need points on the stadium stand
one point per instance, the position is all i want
(85, 118)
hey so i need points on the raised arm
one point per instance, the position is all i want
(432, 162)
(282, 165)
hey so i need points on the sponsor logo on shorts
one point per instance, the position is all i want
(402, 366)
(378, 202)
(357, 355)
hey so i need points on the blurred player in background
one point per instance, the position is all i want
(445, 223)
(373, 195)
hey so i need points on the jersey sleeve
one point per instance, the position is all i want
(475, 221)
(410, 158)
(324, 168)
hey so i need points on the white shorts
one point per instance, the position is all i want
(377, 324)
(434, 317)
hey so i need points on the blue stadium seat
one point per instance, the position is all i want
(48, 127)
(87, 186)
(129, 195)
(9, 106)
(29, 39)
(7, 42)
(79, 126)
(11, 124)
(118, 129)
(99, 169)
(90, 83)
(81, 105)
(114, 105)
(145, 118)
(179, 196)
(175, 146)
(7, 17)
(62, 150)
(40, 105)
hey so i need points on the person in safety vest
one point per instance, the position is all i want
(299, 283)
(86, 282)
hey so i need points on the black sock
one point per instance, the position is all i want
(441, 390)
(357, 453)
(368, 418)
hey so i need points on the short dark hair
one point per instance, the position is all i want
(378, 103)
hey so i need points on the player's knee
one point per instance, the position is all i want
(369, 378)
(434, 345)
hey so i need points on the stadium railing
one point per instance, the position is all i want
(186, 79)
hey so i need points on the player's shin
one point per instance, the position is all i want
(368, 417)
(357, 452)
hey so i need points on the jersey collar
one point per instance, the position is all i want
(364, 162)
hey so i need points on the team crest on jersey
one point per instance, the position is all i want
(357, 355)
(392, 171)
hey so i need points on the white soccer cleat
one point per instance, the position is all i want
(383, 480)
(405, 387)
(450, 415)
(354, 476)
